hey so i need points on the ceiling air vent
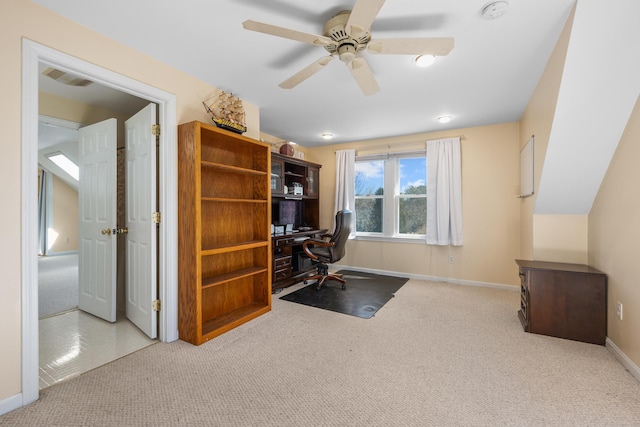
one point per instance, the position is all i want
(66, 78)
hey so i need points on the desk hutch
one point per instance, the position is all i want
(289, 178)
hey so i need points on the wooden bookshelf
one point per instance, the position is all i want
(224, 240)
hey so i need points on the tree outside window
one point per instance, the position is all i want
(369, 191)
(412, 200)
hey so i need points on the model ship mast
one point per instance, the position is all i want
(227, 112)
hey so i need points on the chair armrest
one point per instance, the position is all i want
(314, 242)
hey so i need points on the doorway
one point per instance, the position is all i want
(71, 340)
(33, 54)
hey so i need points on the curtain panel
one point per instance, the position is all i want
(444, 192)
(43, 208)
(345, 185)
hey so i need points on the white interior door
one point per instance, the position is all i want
(97, 205)
(141, 282)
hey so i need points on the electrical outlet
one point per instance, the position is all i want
(619, 310)
(450, 259)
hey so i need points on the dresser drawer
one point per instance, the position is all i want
(524, 278)
(281, 262)
(284, 273)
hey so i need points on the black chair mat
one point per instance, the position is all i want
(364, 295)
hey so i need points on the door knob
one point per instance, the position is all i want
(121, 230)
(106, 231)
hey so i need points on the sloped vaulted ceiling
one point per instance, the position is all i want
(599, 88)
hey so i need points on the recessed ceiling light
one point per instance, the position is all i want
(425, 60)
(494, 10)
(327, 135)
(444, 119)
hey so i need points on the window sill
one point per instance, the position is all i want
(415, 240)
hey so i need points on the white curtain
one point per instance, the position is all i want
(345, 184)
(444, 192)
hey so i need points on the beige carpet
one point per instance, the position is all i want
(435, 355)
(57, 284)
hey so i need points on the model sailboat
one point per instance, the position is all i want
(227, 112)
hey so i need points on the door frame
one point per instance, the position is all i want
(32, 54)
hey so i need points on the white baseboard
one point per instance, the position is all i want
(431, 278)
(10, 404)
(623, 359)
(62, 253)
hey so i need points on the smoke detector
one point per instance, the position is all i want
(494, 10)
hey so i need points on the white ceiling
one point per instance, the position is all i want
(488, 78)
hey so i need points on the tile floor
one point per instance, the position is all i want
(75, 342)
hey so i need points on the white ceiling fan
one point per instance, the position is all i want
(347, 35)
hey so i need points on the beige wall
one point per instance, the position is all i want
(65, 216)
(614, 233)
(544, 238)
(560, 238)
(79, 112)
(491, 210)
(23, 19)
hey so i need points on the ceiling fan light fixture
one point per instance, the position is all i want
(495, 10)
(423, 61)
(346, 36)
(444, 119)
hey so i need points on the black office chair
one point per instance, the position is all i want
(323, 252)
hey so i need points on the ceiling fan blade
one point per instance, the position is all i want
(439, 46)
(364, 77)
(305, 73)
(287, 33)
(362, 15)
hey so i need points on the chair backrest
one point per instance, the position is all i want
(340, 235)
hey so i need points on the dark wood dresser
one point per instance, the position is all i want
(563, 300)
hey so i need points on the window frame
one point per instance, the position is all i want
(391, 197)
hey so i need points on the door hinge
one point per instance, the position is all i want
(155, 130)
(156, 217)
(156, 305)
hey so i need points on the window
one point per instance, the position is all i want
(369, 191)
(391, 195)
(65, 164)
